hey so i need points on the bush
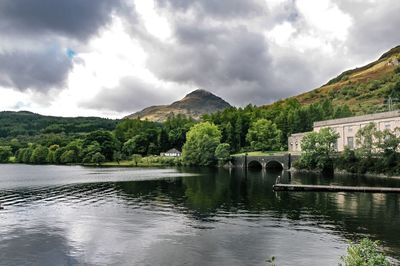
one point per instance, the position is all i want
(366, 253)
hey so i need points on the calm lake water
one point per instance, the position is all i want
(68, 215)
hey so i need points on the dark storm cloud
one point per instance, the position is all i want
(220, 8)
(36, 27)
(376, 27)
(39, 70)
(72, 18)
(233, 62)
(130, 95)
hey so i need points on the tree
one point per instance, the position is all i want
(138, 144)
(5, 154)
(201, 142)
(39, 155)
(117, 156)
(318, 150)
(98, 158)
(136, 158)
(106, 141)
(264, 135)
(365, 140)
(222, 152)
(89, 151)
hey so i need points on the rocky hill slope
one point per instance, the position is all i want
(194, 104)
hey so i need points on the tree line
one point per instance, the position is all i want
(218, 135)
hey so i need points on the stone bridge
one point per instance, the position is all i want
(276, 161)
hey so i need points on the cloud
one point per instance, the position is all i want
(130, 95)
(375, 29)
(218, 8)
(254, 51)
(73, 18)
(37, 70)
(38, 37)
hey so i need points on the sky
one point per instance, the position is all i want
(110, 58)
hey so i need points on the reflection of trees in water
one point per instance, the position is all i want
(217, 192)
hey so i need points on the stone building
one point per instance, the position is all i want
(348, 127)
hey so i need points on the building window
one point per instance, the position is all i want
(350, 142)
(335, 145)
(387, 126)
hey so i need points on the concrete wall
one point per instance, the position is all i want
(294, 142)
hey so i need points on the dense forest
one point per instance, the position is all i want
(24, 123)
(31, 138)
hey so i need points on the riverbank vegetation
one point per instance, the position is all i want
(364, 253)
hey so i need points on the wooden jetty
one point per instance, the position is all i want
(320, 188)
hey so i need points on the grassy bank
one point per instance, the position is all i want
(147, 161)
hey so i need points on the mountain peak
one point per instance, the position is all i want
(199, 93)
(194, 104)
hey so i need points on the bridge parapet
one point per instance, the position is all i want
(285, 160)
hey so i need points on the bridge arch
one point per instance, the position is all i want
(256, 165)
(274, 165)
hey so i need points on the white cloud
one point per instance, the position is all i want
(325, 19)
(282, 33)
(154, 23)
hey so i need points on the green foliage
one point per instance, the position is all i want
(222, 152)
(160, 160)
(98, 158)
(264, 135)
(365, 140)
(365, 253)
(202, 141)
(39, 155)
(318, 150)
(15, 124)
(289, 116)
(377, 152)
(5, 154)
(136, 158)
(105, 140)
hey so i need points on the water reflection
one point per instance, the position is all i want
(214, 217)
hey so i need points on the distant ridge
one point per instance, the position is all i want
(194, 104)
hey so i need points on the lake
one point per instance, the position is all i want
(73, 215)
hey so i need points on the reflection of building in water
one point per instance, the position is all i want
(348, 127)
(354, 203)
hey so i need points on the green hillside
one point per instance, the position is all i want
(13, 124)
(365, 89)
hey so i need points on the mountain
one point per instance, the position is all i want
(194, 104)
(13, 124)
(366, 89)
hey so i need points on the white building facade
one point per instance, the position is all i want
(347, 128)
